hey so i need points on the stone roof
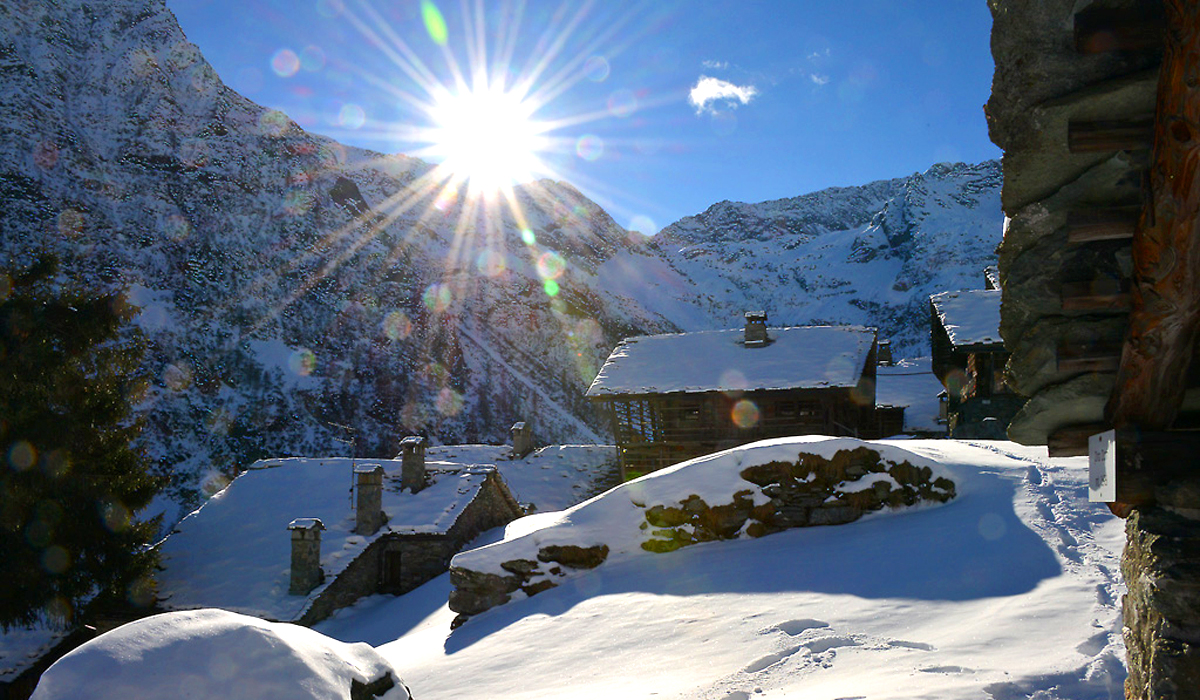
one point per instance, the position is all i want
(970, 317)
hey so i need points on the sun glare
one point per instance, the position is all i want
(487, 136)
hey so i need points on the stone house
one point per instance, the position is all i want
(673, 397)
(295, 539)
(1095, 106)
(969, 359)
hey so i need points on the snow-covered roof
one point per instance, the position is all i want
(801, 357)
(970, 317)
(235, 551)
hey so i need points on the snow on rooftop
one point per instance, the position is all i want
(235, 551)
(215, 655)
(550, 478)
(806, 357)
(911, 383)
(970, 317)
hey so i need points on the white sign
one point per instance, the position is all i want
(1102, 467)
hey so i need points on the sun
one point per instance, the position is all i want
(487, 136)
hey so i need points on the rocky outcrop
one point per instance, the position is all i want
(810, 491)
(474, 591)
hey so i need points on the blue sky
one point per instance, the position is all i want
(658, 109)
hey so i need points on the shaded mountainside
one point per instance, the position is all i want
(288, 283)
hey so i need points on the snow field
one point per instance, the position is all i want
(1010, 591)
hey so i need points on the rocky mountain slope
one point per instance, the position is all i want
(290, 285)
(870, 255)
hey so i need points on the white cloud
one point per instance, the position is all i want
(818, 79)
(715, 64)
(708, 93)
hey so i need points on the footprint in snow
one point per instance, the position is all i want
(911, 645)
(770, 660)
(823, 644)
(794, 628)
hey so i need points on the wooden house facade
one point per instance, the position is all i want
(969, 359)
(673, 397)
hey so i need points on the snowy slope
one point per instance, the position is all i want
(1009, 591)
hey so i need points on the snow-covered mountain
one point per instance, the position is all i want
(869, 255)
(289, 284)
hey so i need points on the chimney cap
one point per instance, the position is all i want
(760, 316)
(415, 440)
(519, 425)
(306, 524)
(368, 468)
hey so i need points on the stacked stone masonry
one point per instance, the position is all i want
(809, 492)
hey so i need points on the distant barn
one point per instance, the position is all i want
(673, 397)
(969, 358)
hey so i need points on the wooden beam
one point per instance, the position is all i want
(1072, 441)
(1165, 319)
(1112, 224)
(1096, 295)
(1100, 29)
(1087, 136)
(1088, 358)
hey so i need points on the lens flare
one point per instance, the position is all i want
(352, 116)
(22, 455)
(589, 147)
(622, 103)
(397, 325)
(551, 265)
(596, 69)
(285, 63)
(302, 362)
(551, 288)
(745, 414)
(435, 24)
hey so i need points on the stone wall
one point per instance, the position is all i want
(1161, 567)
(809, 492)
(422, 556)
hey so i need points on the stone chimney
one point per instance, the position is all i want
(756, 329)
(522, 439)
(412, 463)
(306, 555)
(884, 353)
(369, 508)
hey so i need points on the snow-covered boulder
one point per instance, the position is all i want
(748, 491)
(218, 655)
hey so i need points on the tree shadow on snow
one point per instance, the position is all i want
(974, 547)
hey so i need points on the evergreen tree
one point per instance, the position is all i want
(70, 478)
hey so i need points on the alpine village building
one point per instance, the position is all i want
(676, 396)
(969, 359)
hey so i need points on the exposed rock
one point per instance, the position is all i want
(574, 556)
(1161, 567)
